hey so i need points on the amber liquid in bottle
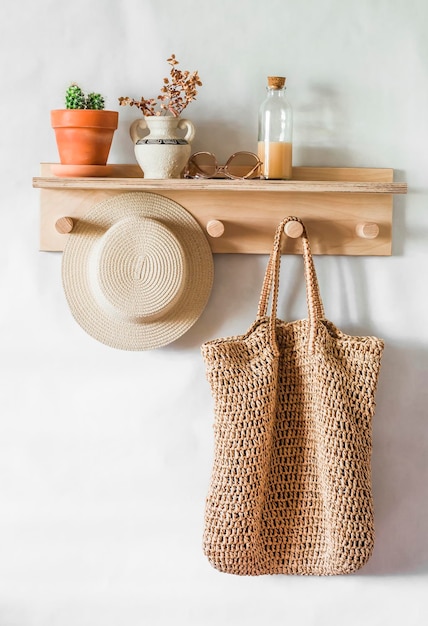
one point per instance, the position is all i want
(276, 157)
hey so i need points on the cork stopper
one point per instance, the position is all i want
(276, 82)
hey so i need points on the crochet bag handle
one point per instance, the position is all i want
(271, 284)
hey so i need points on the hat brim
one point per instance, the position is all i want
(186, 268)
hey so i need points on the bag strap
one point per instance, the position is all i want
(271, 285)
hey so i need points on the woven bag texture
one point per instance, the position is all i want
(290, 491)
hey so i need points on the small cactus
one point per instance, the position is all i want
(76, 99)
(95, 101)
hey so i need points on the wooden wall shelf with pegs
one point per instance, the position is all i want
(346, 211)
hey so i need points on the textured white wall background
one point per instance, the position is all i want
(105, 455)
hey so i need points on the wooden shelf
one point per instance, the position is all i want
(345, 210)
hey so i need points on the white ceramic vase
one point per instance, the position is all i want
(160, 148)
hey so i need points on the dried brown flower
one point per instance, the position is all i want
(179, 90)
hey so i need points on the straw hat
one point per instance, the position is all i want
(137, 271)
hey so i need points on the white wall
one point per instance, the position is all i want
(105, 455)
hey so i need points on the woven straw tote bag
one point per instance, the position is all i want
(290, 491)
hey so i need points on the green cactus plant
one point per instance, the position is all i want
(76, 99)
(95, 101)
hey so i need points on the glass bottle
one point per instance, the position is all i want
(275, 132)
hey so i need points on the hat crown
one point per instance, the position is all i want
(138, 269)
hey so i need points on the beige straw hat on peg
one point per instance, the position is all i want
(137, 271)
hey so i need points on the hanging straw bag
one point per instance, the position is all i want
(290, 491)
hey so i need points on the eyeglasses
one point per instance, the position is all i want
(241, 165)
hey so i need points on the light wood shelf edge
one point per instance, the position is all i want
(305, 180)
(334, 203)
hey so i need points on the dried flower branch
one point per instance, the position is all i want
(179, 90)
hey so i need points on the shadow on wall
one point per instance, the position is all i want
(233, 302)
(400, 468)
(225, 139)
(320, 124)
(400, 439)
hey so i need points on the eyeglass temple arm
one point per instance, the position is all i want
(256, 167)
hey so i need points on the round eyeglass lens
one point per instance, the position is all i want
(243, 165)
(202, 164)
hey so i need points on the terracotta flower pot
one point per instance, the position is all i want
(84, 136)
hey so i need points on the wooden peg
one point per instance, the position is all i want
(64, 225)
(293, 229)
(367, 230)
(215, 228)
